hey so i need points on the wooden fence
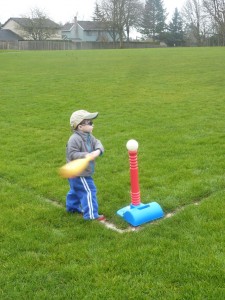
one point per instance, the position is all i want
(70, 45)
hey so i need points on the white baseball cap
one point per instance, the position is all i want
(78, 116)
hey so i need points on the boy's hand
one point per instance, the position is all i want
(94, 154)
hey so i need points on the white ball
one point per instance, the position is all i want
(132, 145)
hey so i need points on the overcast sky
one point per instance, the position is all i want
(61, 11)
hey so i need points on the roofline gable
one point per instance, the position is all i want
(21, 22)
(86, 26)
(69, 28)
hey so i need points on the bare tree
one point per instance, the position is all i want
(196, 21)
(120, 16)
(111, 16)
(134, 10)
(216, 9)
(38, 26)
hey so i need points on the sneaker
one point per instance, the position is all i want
(101, 218)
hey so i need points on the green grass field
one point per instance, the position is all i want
(172, 101)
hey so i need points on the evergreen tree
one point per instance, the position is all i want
(175, 35)
(98, 14)
(161, 17)
(154, 18)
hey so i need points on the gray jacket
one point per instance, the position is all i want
(79, 144)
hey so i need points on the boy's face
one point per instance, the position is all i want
(86, 126)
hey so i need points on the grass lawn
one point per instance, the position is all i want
(172, 101)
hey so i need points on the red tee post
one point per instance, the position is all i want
(138, 213)
(135, 191)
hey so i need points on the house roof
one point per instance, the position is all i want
(24, 22)
(86, 25)
(92, 25)
(8, 35)
(67, 26)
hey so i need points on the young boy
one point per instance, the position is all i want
(82, 195)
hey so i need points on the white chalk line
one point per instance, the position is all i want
(113, 227)
(110, 225)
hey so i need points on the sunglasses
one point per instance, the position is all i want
(90, 123)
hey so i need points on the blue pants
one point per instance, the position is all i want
(82, 197)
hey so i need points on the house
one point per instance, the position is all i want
(24, 27)
(86, 31)
(7, 35)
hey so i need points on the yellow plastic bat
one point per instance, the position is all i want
(75, 167)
